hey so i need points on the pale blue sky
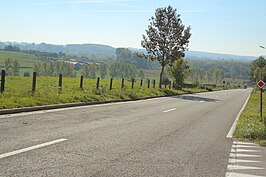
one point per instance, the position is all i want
(222, 26)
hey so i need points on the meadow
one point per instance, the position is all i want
(18, 91)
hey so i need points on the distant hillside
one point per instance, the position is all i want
(108, 51)
(97, 49)
(196, 55)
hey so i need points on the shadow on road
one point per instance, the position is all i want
(195, 98)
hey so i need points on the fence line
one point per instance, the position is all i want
(169, 85)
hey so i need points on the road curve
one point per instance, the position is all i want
(171, 136)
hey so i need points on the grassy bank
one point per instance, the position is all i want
(249, 127)
(18, 91)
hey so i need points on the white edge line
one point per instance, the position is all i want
(231, 131)
(235, 174)
(73, 108)
(173, 109)
(31, 148)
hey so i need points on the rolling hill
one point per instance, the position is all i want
(109, 51)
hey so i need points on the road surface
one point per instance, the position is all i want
(171, 136)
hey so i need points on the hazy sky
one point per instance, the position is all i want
(223, 26)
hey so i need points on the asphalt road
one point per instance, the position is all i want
(172, 136)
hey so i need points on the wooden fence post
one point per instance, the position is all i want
(149, 83)
(123, 83)
(141, 83)
(34, 82)
(60, 83)
(98, 83)
(3, 76)
(154, 83)
(170, 85)
(132, 84)
(81, 82)
(111, 83)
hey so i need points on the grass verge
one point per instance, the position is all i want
(18, 93)
(249, 126)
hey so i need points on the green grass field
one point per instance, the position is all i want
(18, 91)
(26, 61)
(249, 127)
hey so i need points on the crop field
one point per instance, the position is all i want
(18, 91)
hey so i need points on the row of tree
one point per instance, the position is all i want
(198, 75)
(231, 69)
(125, 70)
(116, 70)
(54, 68)
(89, 70)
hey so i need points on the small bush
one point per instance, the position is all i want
(26, 74)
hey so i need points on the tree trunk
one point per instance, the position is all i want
(161, 77)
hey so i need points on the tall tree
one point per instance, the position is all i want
(8, 66)
(92, 71)
(38, 68)
(15, 68)
(141, 74)
(166, 38)
(85, 70)
(103, 70)
(123, 54)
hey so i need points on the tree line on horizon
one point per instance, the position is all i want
(200, 71)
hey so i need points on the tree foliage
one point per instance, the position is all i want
(85, 70)
(257, 69)
(12, 48)
(123, 70)
(127, 56)
(216, 71)
(54, 68)
(103, 70)
(92, 71)
(12, 67)
(166, 38)
(179, 70)
(141, 74)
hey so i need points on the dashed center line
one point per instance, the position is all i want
(173, 109)
(31, 148)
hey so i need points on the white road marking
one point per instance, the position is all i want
(31, 148)
(202, 101)
(241, 167)
(173, 109)
(253, 163)
(244, 143)
(96, 105)
(243, 161)
(245, 146)
(243, 150)
(76, 107)
(233, 174)
(231, 131)
(243, 155)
